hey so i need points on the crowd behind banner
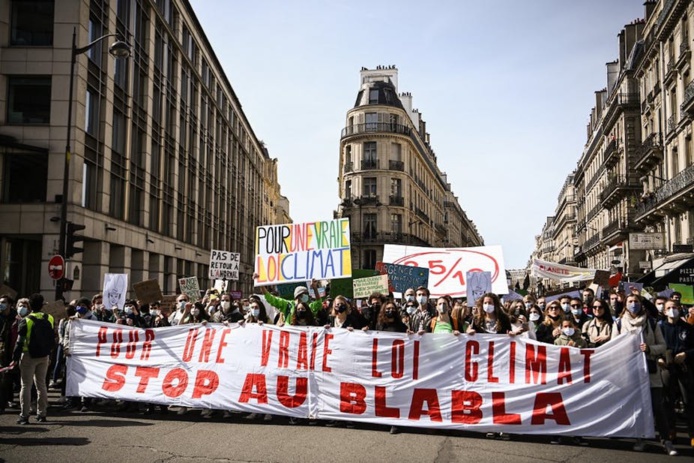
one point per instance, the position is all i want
(585, 322)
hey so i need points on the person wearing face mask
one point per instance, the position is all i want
(528, 302)
(588, 297)
(389, 319)
(256, 312)
(634, 318)
(541, 303)
(229, 312)
(444, 322)
(368, 314)
(577, 314)
(616, 302)
(420, 318)
(8, 337)
(343, 317)
(550, 328)
(286, 307)
(534, 321)
(565, 305)
(659, 303)
(182, 308)
(677, 367)
(598, 330)
(197, 314)
(490, 318)
(570, 335)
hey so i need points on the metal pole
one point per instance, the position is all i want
(66, 170)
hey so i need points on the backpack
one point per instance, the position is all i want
(42, 337)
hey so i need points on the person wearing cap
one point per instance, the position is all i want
(286, 307)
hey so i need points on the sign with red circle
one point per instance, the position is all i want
(56, 267)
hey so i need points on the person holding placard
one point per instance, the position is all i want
(286, 307)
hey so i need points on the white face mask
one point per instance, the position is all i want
(576, 311)
(182, 305)
(534, 317)
(568, 331)
(409, 297)
(195, 312)
(411, 309)
(441, 308)
(422, 299)
(23, 311)
(226, 305)
(255, 312)
(566, 307)
(672, 313)
(128, 310)
(541, 305)
(660, 307)
(528, 305)
(633, 307)
(489, 308)
(154, 312)
(304, 298)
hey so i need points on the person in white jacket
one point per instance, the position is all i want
(635, 317)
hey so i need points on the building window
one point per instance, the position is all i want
(396, 223)
(371, 121)
(396, 187)
(369, 161)
(91, 113)
(369, 259)
(348, 154)
(29, 100)
(32, 23)
(24, 178)
(373, 96)
(370, 190)
(348, 189)
(396, 152)
(370, 225)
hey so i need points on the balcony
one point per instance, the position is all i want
(649, 154)
(616, 188)
(375, 127)
(687, 106)
(396, 165)
(349, 167)
(593, 212)
(674, 195)
(591, 243)
(685, 53)
(616, 228)
(422, 215)
(441, 229)
(618, 103)
(369, 164)
(611, 154)
(367, 200)
(396, 200)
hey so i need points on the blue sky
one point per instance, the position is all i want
(505, 87)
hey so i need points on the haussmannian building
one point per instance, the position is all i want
(390, 185)
(164, 167)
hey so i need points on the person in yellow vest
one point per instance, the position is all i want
(34, 345)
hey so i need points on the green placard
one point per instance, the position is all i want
(344, 286)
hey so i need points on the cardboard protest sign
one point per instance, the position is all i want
(478, 284)
(189, 286)
(602, 278)
(115, 290)
(169, 301)
(224, 265)
(447, 266)
(148, 291)
(402, 277)
(56, 309)
(220, 285)
(302, 251)
(312, 293)
(363, 287)
(4, 289)
(344, 286)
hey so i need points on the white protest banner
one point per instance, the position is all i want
(190, 287)
(115, 289)
(481, 383)
(448, 266)
(559, 272)
(364, 287)
(224, 265)
(302, 251)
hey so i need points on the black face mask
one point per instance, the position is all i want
(555, 317)
(300, 314)
(390, 314)
(376, 306)
(341, 308)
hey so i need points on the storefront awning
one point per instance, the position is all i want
(679, 271)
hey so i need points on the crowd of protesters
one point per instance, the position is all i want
(585, 322)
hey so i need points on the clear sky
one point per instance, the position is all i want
(506, 88)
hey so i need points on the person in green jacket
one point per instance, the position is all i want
(286, 307)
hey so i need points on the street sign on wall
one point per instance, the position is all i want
(646, 241)
(56, 267)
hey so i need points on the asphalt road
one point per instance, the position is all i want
(106, 435)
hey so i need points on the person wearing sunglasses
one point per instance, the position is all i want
(550, 329)
(598, 330)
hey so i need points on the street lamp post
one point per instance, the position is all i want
(118, 49)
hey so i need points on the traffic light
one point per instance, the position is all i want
(72, 239)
